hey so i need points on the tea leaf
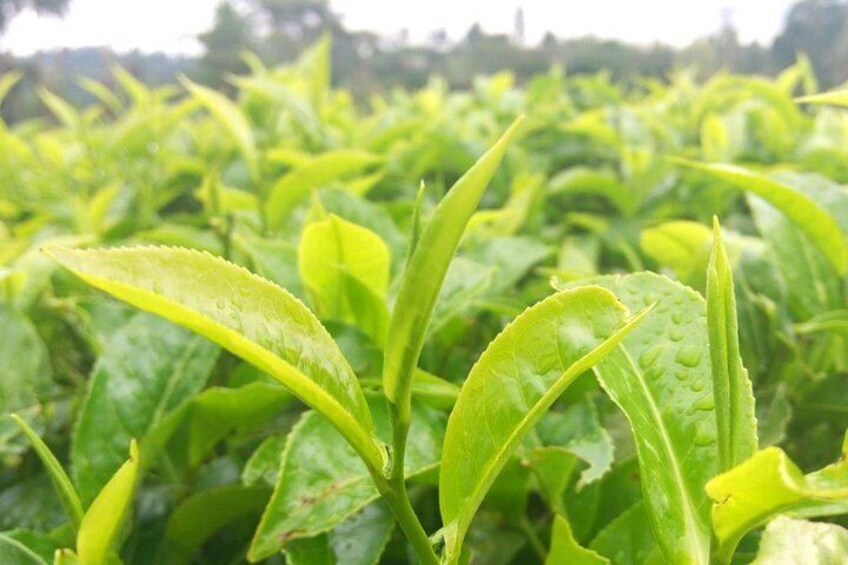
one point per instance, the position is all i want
(805, 213)
(61, 482)
(233, 120)
(345, 267)
(661, 380)
(322, 482)
(101, 526)
(201, 515)
(14, 552)
(519, 376)
(797, 541)
(768, 483)
(734, 399)
(295, 187)
(359, 540)
(249, 316)
(426, 270)
(566, 551)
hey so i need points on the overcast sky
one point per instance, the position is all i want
(172, 25)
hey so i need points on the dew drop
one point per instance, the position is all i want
(675, 334)
(703, 436)
(706, 403)
(681, 375)
(697, 386)
(676, 317)
(650, 356)
(689, 356)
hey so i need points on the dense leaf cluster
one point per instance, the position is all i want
(426, 331)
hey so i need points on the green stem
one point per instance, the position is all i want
(398, 500)
(393, 489)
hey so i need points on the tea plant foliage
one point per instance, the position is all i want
(495, 326)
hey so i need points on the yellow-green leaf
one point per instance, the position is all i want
(296, 186)
(231, 117)
(768, 483)
(100, 530)
(805, 213)
(517, 378)
(345, 268)
(247, 315)
(427, 267)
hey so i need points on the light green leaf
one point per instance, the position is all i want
(805, 213)
(101, 527)
(245, 314)
(566, 551)
(204, 513)
(426, 270)
(150, 369)
(661, 380)
(345, 267)
(552, 469)
(787, 541)
(734, 399)
(321, 481)
(296, 187)
(232, 118)
(359, 540)
(61, 482)
(682, 246)
(812, 284)
(769, 483)
(519, 376)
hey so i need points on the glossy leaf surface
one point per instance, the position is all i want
(661, 379)
(519, 376)
(249, 316)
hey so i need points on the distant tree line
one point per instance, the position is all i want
(278, 31)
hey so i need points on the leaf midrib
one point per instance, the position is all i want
(667, 446)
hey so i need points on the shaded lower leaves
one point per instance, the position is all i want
(322, 481)
(359, 540)
(150, 369)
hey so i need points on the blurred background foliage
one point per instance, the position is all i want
(366, 63)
